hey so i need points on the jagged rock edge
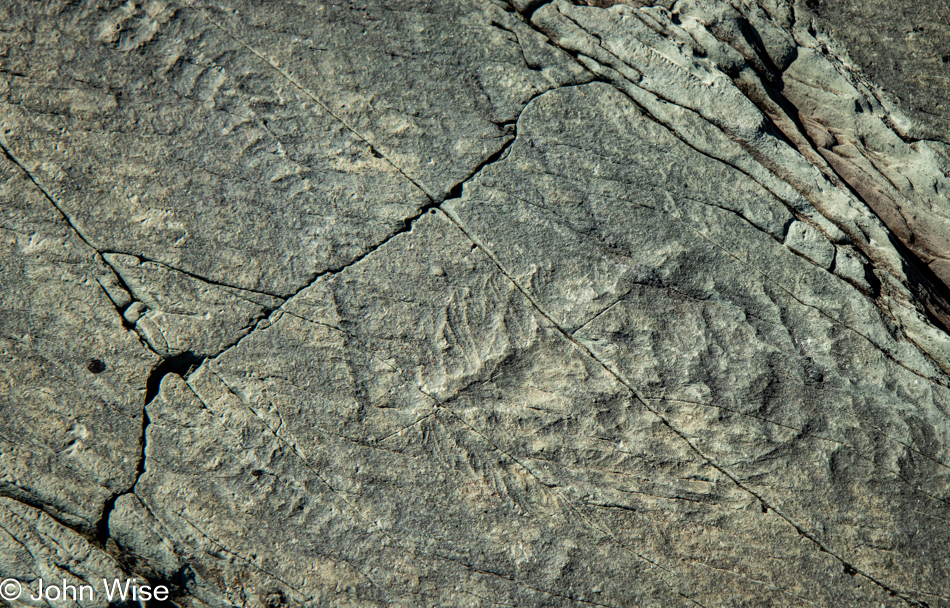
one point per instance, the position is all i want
(912, 289)
(635, 393)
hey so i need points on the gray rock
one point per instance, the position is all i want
(614, 303)
(35, 547)
(244, 151)
(903, 47)
(177, 313)
(73, 378)
(805, 240)
(852, 267)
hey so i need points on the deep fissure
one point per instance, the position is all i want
(180, 365)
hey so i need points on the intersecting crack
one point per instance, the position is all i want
(635, 393)
(645, 403)
(190, 274)
(430, 207)
(86, 241)
(441, 406)
(183, 364)
(180, 365)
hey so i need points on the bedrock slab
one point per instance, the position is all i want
(396, 303)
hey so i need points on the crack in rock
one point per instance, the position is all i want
(555, 303)
(181, 365)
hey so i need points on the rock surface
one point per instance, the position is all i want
(405, 303)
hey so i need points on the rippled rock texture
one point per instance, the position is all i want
(404, 303)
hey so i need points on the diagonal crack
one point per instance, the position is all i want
(293, 81)
(434, 204)
(182, 364)
(644, 402)
(567, 336)
(188, 273)
(635, 393)
(442, 406)
(614, 79)
(82, 237)
(924, 288)
(29, 175)
(179, 364)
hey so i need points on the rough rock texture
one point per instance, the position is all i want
(903, 46)
(404, 303)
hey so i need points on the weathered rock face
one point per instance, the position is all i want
(470, 304)
(904, 47)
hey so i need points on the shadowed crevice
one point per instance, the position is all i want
(180, 365)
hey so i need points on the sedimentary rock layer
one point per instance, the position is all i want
(405, 303)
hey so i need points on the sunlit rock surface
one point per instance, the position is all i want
(403, 303)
